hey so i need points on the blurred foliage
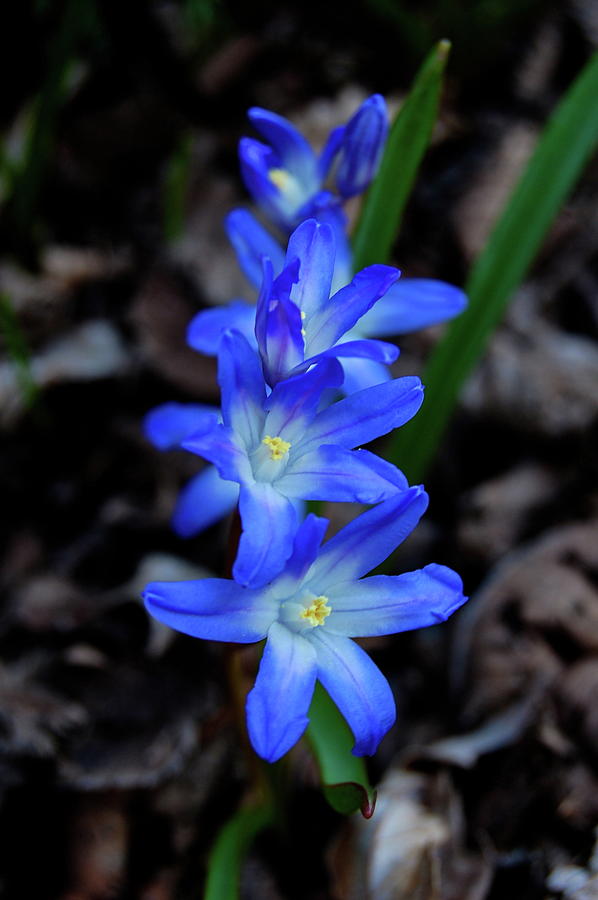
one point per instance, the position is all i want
(17, 350)
(565, 146)
(477, 28)
(382, 211)
(344, 777)
(176, 186)
(230, 849)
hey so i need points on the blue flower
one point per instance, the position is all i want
(309, 614)
(405, 306)
(286, 177)
(298, 322)
(279, 448)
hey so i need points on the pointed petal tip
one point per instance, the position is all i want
(250, 148)
(282, 746)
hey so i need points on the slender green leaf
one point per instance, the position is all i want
(176, 188)
(41, 135)
(230, 849)
(562, 151)
(17, 350)
(344, 776)
(407, 142)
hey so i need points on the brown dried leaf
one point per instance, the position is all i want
(495, 512)
(161, 315)
(98, 847)
(538, 608)
(412, 849)
(577, 693)
(542, 381)
(31, 716)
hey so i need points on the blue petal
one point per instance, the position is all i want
(290, 146)
(325, 208)
(386, 604)
(313, 245)
(283, 349)
(256, 160)
(363, 373)
(284, 281)
(411, 304)
(368, 540)
(347, 306)
(215, 609)
(306, 546)
(278, 704)
(263, 304)
(293, 403)
(357, 686)
(169, 424)
(343, 258)
(204, 500)
(333, 473)
(218, 444)
(366, 415)
(205, 330)
(251, 242)
(378, 351)
(242, 387)
(269, 523)
(362, 147)
(331, 148)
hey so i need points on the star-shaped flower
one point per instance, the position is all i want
(309, 614)
(389, 308)
(281, 447)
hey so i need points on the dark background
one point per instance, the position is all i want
(119, 758)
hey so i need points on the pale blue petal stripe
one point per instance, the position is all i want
(366, 415)
(387, 604)
(269, 524)
(215, 609)
(242, 387)
(369, 539)
(278, 704)
(357, 686)
(411, 304)
(342, 476)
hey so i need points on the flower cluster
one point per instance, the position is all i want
(304, 384)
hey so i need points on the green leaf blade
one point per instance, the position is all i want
(561, 153)
(18, 351)
(344, 776)
(230, 849)
(407, 142)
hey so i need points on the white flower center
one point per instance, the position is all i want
(269, 458)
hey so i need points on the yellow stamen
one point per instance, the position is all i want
(303, 315)
(277, 447)
(279, 177)
(317, 612)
